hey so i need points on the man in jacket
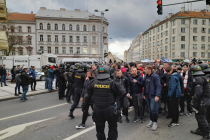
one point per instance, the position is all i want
(46, 74)
(94, 70)
(123, 99)
(13, 73)
(51, 73)
(152, 90)
(17, 72)
(33, 81)
(25, 81)
(3, 73)
(136, 84)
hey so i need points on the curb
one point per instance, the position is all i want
(29, 94)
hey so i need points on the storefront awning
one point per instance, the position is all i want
(3, 40)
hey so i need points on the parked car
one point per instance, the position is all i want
(39, 76)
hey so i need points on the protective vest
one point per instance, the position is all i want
(206, 87)
(61, 74)
(102, 94)
(78, 81)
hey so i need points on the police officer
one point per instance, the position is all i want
(61, 81)
(103, 89)
(201, 100)
(79, 79)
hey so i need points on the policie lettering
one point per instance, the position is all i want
(77, 76)
(102, 86)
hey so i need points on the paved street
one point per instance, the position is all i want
(53, 123)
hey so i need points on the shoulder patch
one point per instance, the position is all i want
(194, 80)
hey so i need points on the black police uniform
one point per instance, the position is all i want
(103, 89)
(61, 81)
(201, 100)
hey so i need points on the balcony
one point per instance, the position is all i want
(3, 40)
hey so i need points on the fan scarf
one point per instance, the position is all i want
(185, 79)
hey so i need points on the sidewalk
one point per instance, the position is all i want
(7, 92)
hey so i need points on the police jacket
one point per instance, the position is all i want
(103, 92)
(60, 75)
(79, 79)
(124, 81)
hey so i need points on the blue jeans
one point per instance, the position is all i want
(46, 83)
(25, 90)
(153, 108)
(17, 87)
(50, 83)
(3, 79)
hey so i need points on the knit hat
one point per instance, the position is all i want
(123, 70)
(52, 67)
(140, 68)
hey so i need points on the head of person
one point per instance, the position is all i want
(93, 67)
(116, 67)
(174, 67)
(126, 67)
(89, 73)
(25, 69)
(140, 70)
(148, 69)
(119, 73)
(14, 67)
(51, 67)
(179, 69)
(33, 67)
(4, 66)
(18, 66)
(169, 70)
(185, 67)
(165, 65)
(160, 67)
(134, 71)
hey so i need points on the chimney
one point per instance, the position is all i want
(43, 8)
(32, 12)
(169, 15)
(77, 10)
(63, 9)
(182, 9)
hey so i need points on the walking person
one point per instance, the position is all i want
(152, 91)
(3, 74)
(51, 73)
(25, 81)
(18, 79)
(33, 81)
(13, 74)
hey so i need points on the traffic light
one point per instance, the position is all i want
(160, 7)
(207, 2)
(105, 54)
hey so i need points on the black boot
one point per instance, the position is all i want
(71, 115)
(127, 120)
(16, 94)
(206, 137)
(197, 132)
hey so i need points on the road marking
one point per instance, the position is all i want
(17, 129)
(33, 111)
(84, 131)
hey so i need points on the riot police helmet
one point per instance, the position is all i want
(205, 67)
(62, 66)
(83, 67)
(73, 67)
(103, 72)
(196, 70)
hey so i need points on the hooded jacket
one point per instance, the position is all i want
(174, 85)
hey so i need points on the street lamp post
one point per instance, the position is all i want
(102, 31)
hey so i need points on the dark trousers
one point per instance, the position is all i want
(77, 96)
(174, 109)
(33, 84)
(165, 98)
(85, 114)
(123, 101)
(138, 104)
(100, 116)
(61, 90)
(13, 78)
(144, 106)
(17, 87)
(169, 105)
(202, 122)
(188, 98)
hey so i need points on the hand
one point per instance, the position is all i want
(87, 78)
(164, 85)
(23, 64)
(156, 99)
(182, 95)
(131, 97)
(128, 95)
(81, 99)
(144, 98)
(134, 80)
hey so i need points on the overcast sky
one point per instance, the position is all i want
(127, 18)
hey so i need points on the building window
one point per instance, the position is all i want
(49, 38)
(153, 37)
(158, 43)
(85, 50)
(150, 39)
(78, 39)
(70, 27)
(41, 37)
(194, 30)
(94, 39)
(41, 48)
(56, 38)
(194, 46)
(29, 52)
(153, 44)
(182, 46)
(77, 28)
(203, 38)
(13, 52)
(19, 29)
(174, 23)
(29, 41)
(29, 29)
(183, 21)
(158, 36)
(48, 26)
(166, 48)
(93, 50)
(158, 56)
(183, 30)
(182, 38)
(12, 29)
(63, 27)
(4, 28)
(70, 50)
(166, 33)
(150, 33)
(209, 31)
(157, 49)
(63, 50)
(173, 54)
(173, 39)
(167, 25)
(56, 50)
(182, 54)
(70, 38)
(203, 22)
(195, 21)
(161, 42)
(194, 54)
(85, 39)
(203, 30)
(94, 28)
(173, 47)
(166, 40)
(78, 50)
(161, 27)
(56, 26)
(195, 38)
(41, 26)
(202, 54)
(174, 31)
(49, 49)
(166, 55)
(161, 34)
(150, 45)
(20, 52)
(203, 46)
(63, 38)
(208, 47)
(84, 28)
(209, 39)
(208, 55)
(153, 31)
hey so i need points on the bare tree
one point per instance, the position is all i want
(14, 36)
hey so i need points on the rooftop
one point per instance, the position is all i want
(21, 16)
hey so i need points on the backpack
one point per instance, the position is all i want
(18, 78)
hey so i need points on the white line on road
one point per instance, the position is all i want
(84, 131)
(33, 111)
